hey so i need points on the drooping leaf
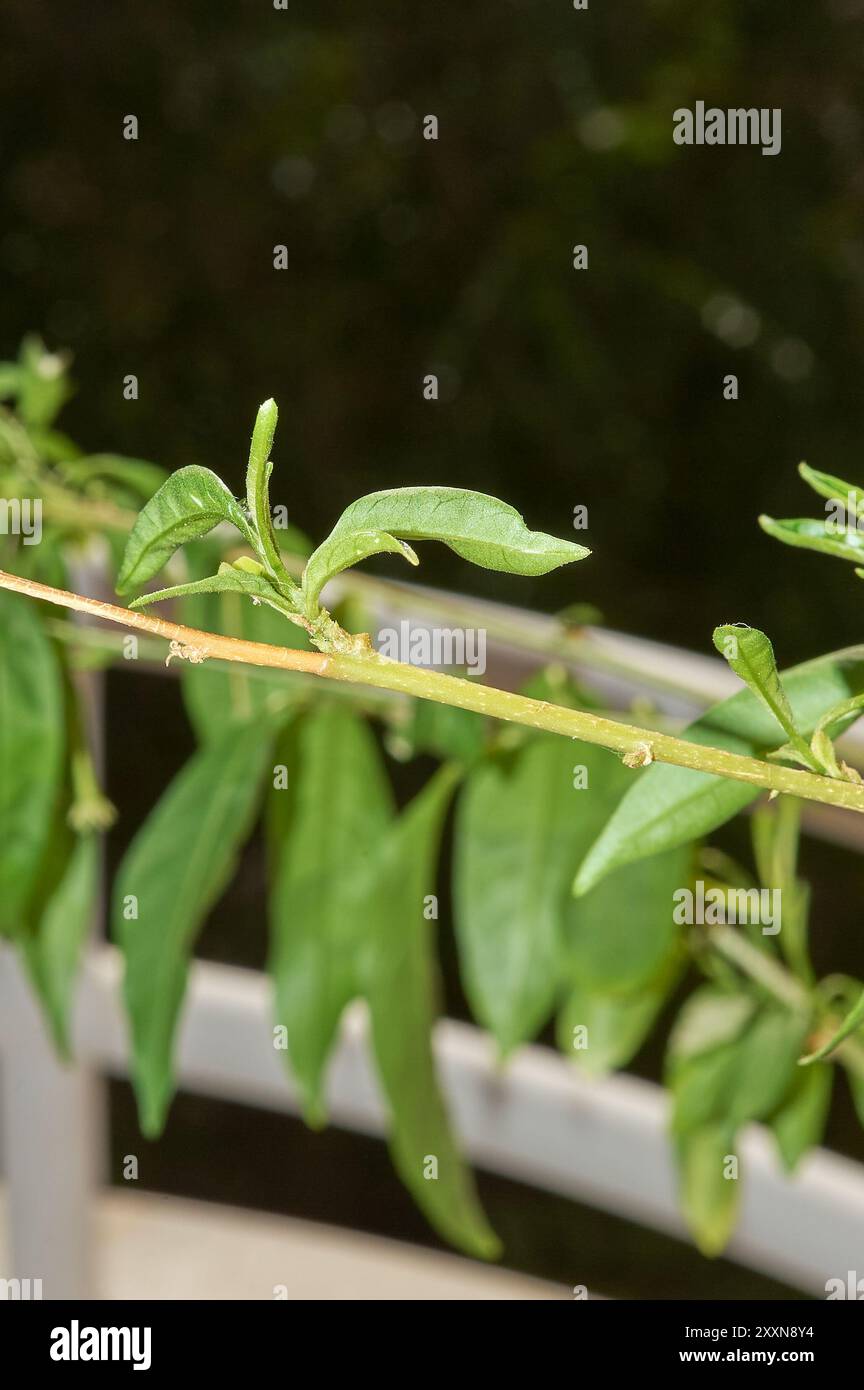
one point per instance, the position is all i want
(54, 950)
(767, 1058)
(619, 934)
(520, 827)
(340, 551)
(399, 977)
(709, 1185)
(670, 806)
(174, 870)
(525, 819)
(751, 656)
(32, 740)
(328, 821)
(744, 1074)
(217, 696)
(799, 1123)
(478, 528)
(827, 537)
(834, 489)
(188, 505)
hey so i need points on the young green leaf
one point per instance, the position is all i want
(799, 1123)
(399, 978)
(228, 580)
(188, 505)
(174, 870)
(324, 826)
(342, 550)
(751, 656)
(851, 1023)
(670, 806)
(826, 537)
(53, 951)
(841, 717)
(31, 752)
(834, 489)
(258, 487)
(478, 528)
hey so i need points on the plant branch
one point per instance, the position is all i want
(638, 746)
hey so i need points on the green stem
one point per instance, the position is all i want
(638, 746)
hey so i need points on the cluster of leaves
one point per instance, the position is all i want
(565, 862)
(51, 807)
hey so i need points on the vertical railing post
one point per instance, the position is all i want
(52, 1135)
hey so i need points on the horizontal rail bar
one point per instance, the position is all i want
(599, 1142)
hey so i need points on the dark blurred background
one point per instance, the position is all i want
(602, 387)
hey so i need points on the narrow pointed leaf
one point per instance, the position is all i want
(520, 828)
(187, 506)
(325, 825)
(826, 537)
(670, 806)
(172, 873)
(400, 982)
(843, 716)
(227, 581)
(54, 950)
(834, 489)
(31, 752)
(258, 484)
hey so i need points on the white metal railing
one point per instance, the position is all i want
(599, 1142)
